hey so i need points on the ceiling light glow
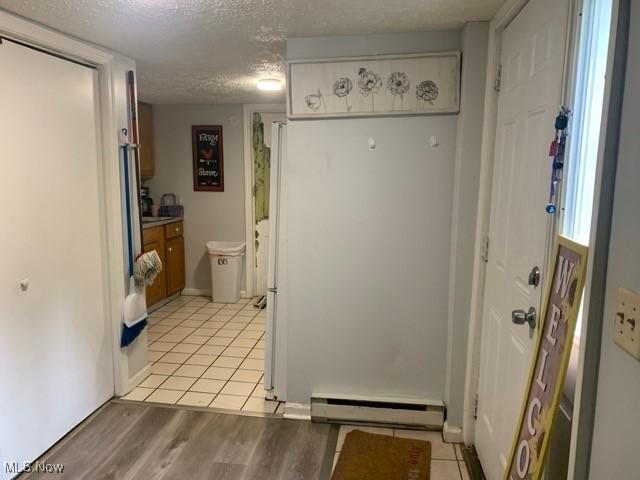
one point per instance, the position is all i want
(269, 85)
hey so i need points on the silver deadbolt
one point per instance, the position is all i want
(534, 276)
(520, 317)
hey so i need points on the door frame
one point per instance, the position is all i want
(502, 18)
(108, 158)
(249, 211)
(584, 403)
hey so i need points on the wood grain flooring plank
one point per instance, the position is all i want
(212, 449)
(290, 449)
(87, 450)
(138, 442)
(158, 448)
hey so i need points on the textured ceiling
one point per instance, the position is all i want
(213, 51)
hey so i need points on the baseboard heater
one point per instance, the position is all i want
(377, 412)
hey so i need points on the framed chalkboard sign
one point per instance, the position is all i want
(208, 171)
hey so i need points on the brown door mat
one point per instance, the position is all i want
(472, 462)
(382, 457)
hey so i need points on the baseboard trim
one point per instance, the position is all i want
(137, 379)
(297, 411)
(205, 293)
(451, 434)
(196, 291)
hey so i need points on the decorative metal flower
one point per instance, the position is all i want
(369, 84)
(398, 84)
(314, 101)
(427, 91)
(342, 88)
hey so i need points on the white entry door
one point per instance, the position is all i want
(55, 345)
(532, 73)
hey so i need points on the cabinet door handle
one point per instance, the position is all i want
(170, 249)
(177, 229)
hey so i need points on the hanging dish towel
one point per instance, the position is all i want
(145, 270)
(147, 267)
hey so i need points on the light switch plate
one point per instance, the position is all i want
(626, 330)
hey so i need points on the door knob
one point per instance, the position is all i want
(520, 317)
(24, 284)
(534, 276)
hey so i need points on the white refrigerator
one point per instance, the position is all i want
(275, 332)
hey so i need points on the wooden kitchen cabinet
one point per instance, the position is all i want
(145, 139)
(175, 265)
(154, 239)
(168, 241)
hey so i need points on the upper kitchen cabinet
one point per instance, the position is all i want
(145, 124)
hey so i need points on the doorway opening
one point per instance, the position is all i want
(258, 120)
(511, 225)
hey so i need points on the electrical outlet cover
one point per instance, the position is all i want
(626, 330)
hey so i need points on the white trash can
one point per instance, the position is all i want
(226, 270)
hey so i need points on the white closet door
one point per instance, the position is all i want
(55, 344)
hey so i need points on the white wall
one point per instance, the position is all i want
(615, 440)
(208, 215)
(368, 242)
(133, 359)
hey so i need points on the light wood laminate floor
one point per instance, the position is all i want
(138, 441)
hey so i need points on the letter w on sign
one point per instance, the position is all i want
(550, 360)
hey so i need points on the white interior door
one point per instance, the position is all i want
(55, 344)
(532, 72)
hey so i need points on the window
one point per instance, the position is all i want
(585, 125)
(585, 131)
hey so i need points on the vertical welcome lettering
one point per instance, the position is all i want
(563, 275)
(549, 365)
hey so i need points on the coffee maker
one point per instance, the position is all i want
(147, 202)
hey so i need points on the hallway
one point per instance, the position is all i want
(205, 354)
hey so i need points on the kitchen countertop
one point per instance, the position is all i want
(158, 223)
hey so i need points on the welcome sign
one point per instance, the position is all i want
(551, 358)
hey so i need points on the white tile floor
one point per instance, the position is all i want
(206, 354)
(446, 458)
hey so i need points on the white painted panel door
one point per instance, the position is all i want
(532, 64)
(55, 345)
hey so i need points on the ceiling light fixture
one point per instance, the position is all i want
(269, 85)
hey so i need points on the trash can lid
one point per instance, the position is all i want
(232, 249)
